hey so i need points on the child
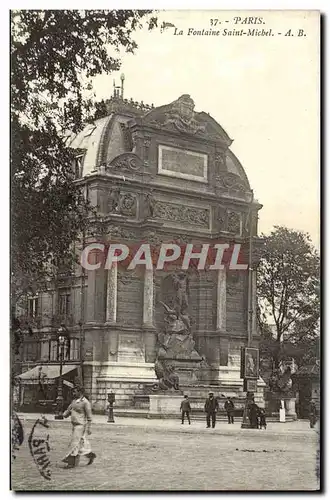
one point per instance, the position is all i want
(262, 419)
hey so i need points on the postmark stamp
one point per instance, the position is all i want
(40, 448)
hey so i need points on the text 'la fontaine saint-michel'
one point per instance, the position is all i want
(224, 32)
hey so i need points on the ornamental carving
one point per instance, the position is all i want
(220, 161)
(119, 232)
(181, 213)
(135, 140)
(127, 162)
(234, 222)
(230, 181)
(127, 204)
(181, 116)
(146, 145)
(127, 137)
(148, 205)
(153, 238)
(121, 203)
(221, 215)
(113, 200)
(181, 239)
(124, 278)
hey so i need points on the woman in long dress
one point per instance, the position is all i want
(81, 418)
(253, 415)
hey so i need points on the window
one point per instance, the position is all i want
(78, 166)
(64, 304)
(33, 307)
(53, 350)
(44, 350)
(30, 351)
(74, 349)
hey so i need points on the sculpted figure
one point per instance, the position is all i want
(170, 317)
(149, 205)
(181, 286)
(113, 203)
(166, 375)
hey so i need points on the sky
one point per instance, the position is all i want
(263, 90)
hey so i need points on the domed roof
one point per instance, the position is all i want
(109, 137)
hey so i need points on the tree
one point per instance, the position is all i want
(54, 53)
(288, 296)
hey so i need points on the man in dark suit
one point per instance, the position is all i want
(211, 407)
(229, 407)
(185, 409)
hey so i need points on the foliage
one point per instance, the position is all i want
(288, 295)
(53, 54)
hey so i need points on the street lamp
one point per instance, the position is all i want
(111, 400)
(59, 399)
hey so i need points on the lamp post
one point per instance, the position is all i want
(111, 400)
(59, 399)
(249, 394)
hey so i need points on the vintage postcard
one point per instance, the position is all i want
(165, 260)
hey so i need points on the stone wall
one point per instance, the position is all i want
(236, 301)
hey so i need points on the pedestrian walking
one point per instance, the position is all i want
(230, 407)
(312, 414)
(185, 409)
(211, 407)
(81, 418)
(262, 418)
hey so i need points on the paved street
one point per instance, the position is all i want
(139, 454)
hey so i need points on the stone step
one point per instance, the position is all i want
(195, 415)
(197, 402)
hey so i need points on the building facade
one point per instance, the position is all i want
(163, 174)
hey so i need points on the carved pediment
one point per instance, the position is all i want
(180, 116)
(229, 181)
(126, 162)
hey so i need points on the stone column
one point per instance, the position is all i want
(221, 300)
(254, 302)
(111, 309)
(150, 337)
(91, 291)
(148, 298)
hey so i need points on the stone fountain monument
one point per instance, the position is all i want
(177, 361)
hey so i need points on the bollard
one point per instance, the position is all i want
(111, 400)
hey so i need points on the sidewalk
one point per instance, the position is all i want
(171, 425)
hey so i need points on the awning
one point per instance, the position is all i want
(44, 373)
